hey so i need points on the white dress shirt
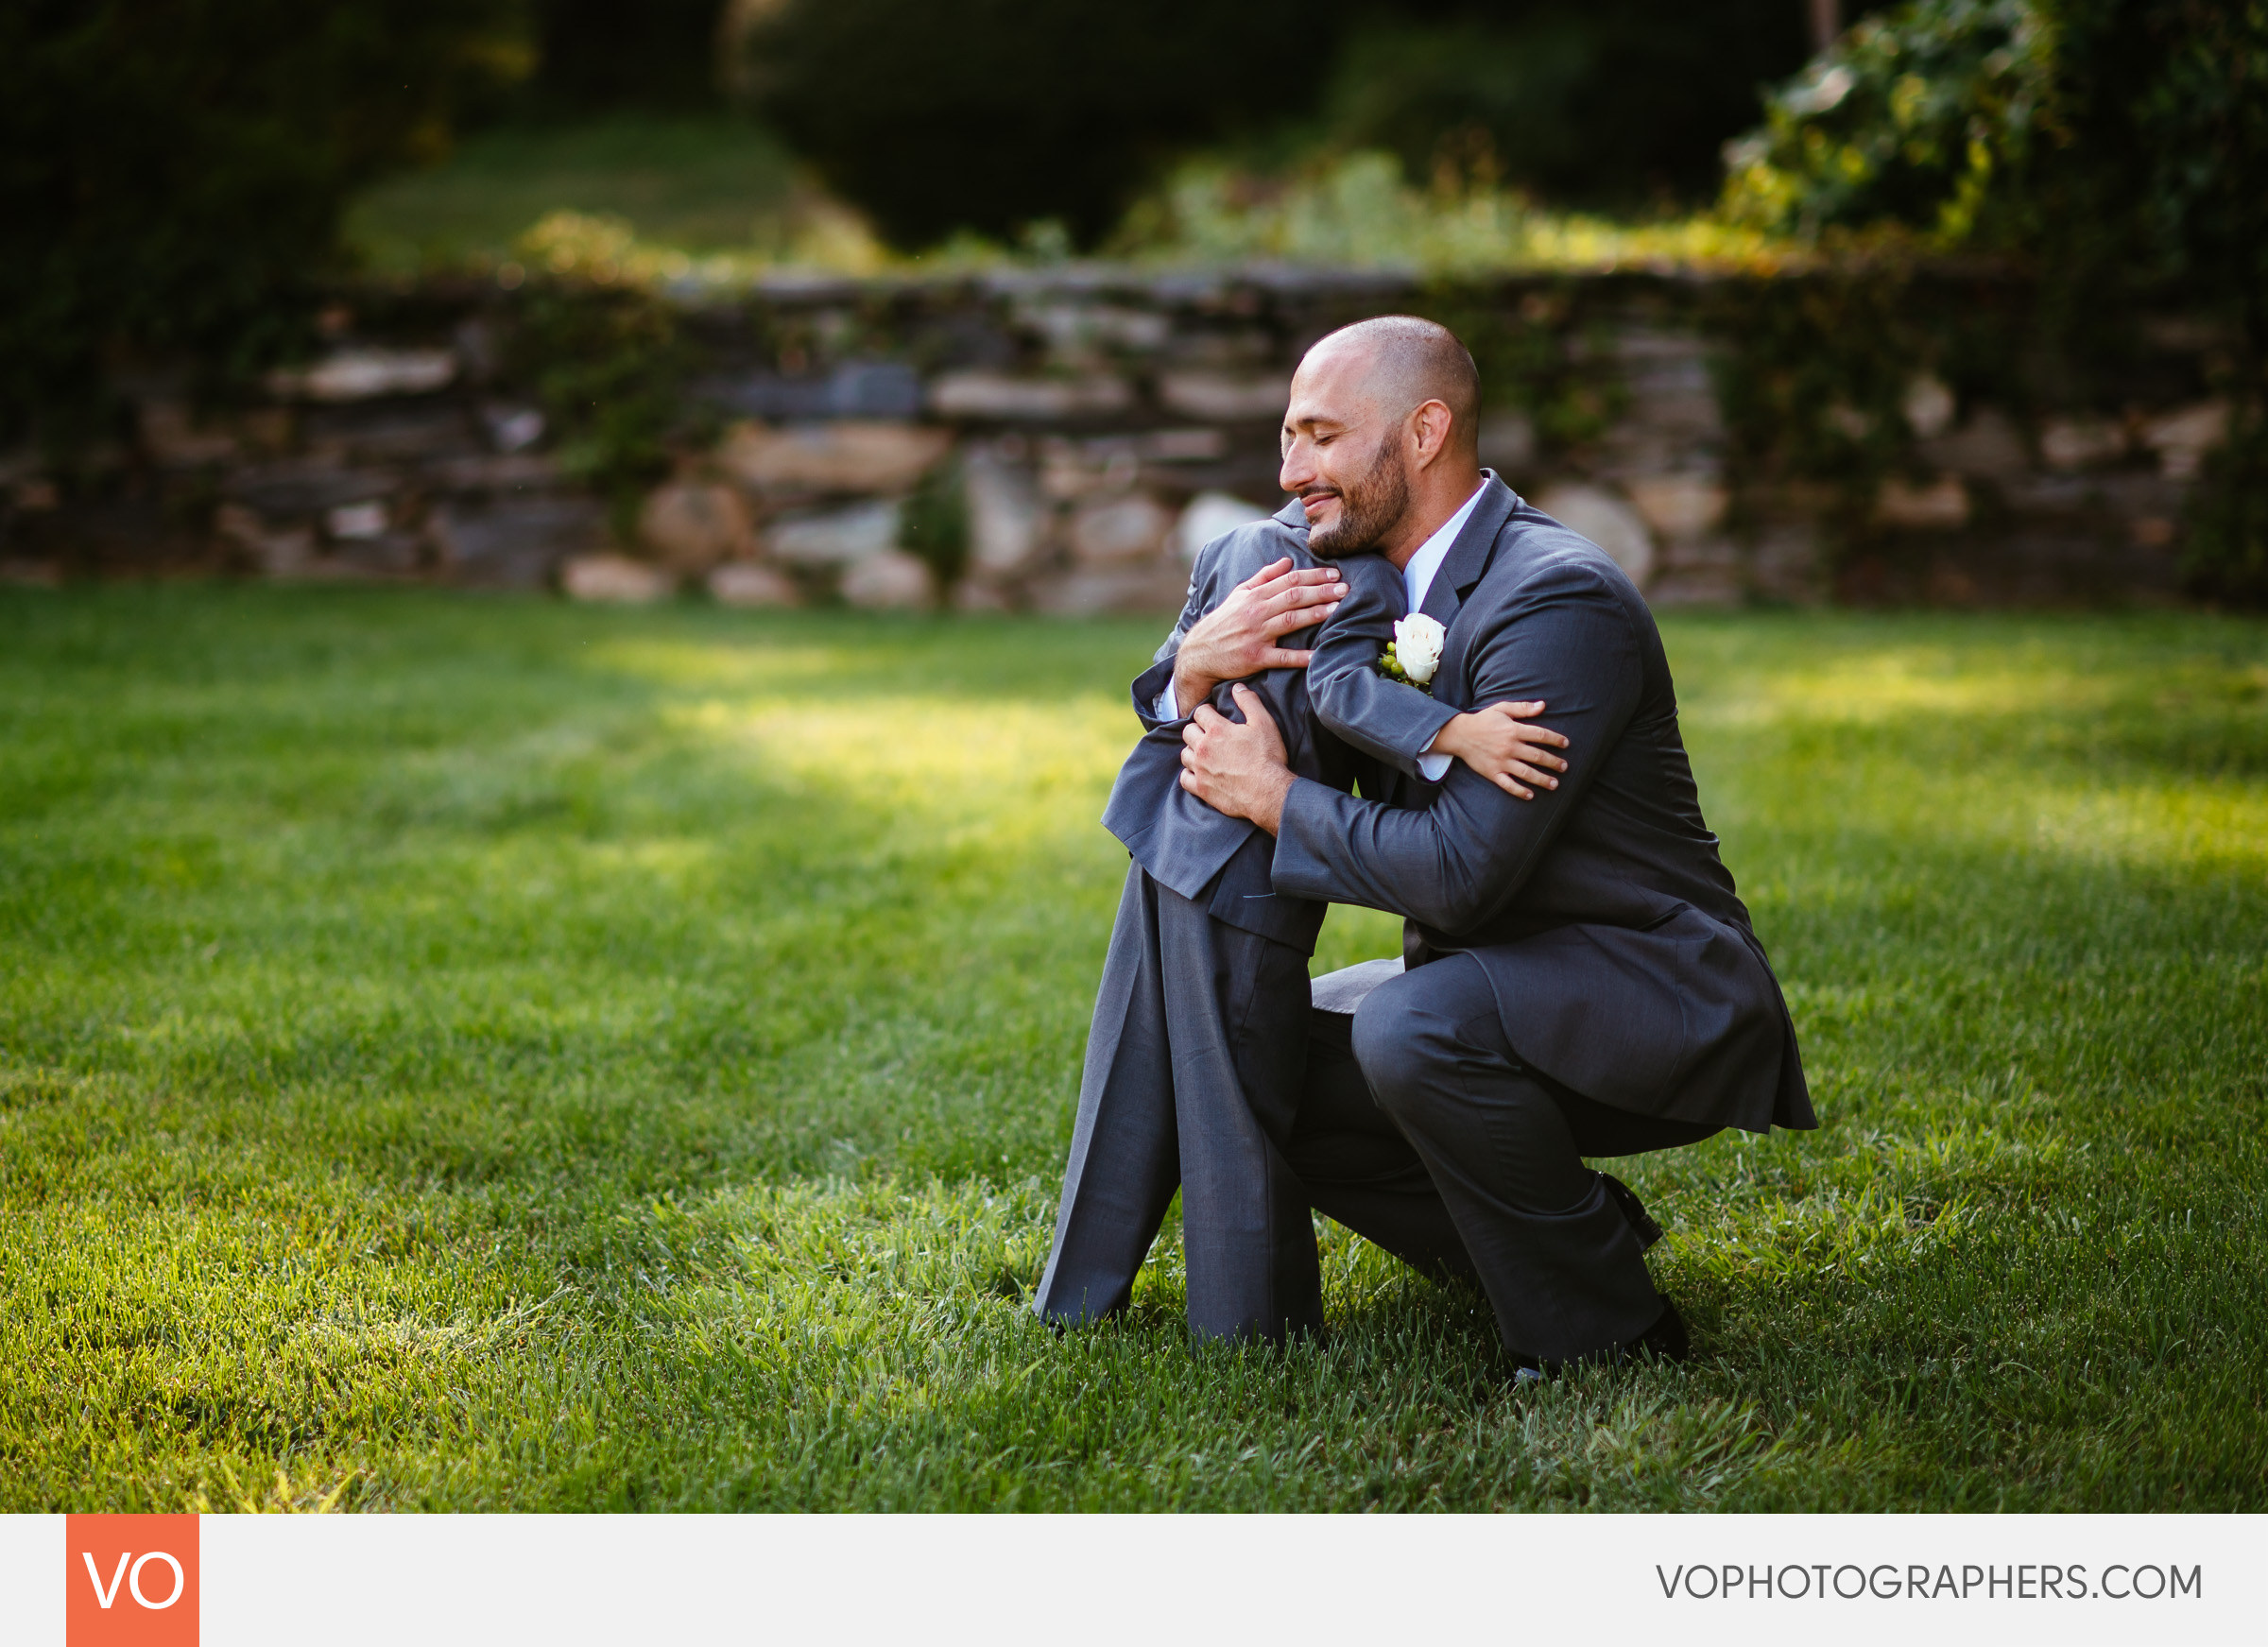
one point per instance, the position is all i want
(1417, 579)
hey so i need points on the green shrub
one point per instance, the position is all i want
(172, 175)
(936, 526)
(2117, 144)
(608, 365)
(1911, 120)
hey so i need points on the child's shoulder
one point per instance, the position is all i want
(1375, 595)
(1237, 554)
(1373, 577)
(1375, 599)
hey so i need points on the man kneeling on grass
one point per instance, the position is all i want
(1577, 976)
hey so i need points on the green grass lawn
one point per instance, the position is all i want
(697, 185)
(467, 1054)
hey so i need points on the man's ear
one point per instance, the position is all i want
(1430, 426)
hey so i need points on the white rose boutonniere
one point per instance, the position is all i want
(1415, 652)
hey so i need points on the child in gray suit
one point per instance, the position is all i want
(1193, 1068)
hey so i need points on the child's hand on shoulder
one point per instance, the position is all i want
(1498, 742)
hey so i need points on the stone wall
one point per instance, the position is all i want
(1091, 427)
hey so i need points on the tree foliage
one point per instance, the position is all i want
(600, 55)
(988, 114)
(2164, 118)
(1601, 103)
(2163, 188)
(172, 172)
(2119, 144)
(2118, 148)
(938, 114)
(1911, 119)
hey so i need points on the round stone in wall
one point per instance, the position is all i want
(1118, 530)
(1210, 515)
(1607, 521)
(690, 527)
(615, 580)
(743, 583)
(890, 581)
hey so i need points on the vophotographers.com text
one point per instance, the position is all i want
(1916, 1581)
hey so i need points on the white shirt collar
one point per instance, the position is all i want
(1417, 577)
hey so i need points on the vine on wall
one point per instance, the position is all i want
(608, 365)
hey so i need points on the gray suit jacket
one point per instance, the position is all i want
(1624, 963)
(1224, 862)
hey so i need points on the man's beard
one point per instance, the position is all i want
(1370, 508)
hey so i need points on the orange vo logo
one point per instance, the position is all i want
(130, 1581)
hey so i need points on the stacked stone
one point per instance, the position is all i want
(1654, 496)
(1090, 431)
(385, 464)
(2085, 505)
(1100, 424)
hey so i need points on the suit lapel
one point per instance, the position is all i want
(1461, 568)
(1468, 558)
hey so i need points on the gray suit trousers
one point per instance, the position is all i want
(1191, 1080)
(1502, 1145)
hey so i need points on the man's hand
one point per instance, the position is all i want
(1237, 769)
(1238, 637)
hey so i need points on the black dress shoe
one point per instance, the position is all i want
(1667, 1338)
(1634, 1210)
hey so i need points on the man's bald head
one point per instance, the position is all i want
(1380, 439)
(1408, 361)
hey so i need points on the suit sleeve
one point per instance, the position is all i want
(1456, 864)
(1154, 681)
(1386, 719)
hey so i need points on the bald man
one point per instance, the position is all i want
(1578, 977)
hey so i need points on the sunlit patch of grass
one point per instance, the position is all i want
(474, 1054)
